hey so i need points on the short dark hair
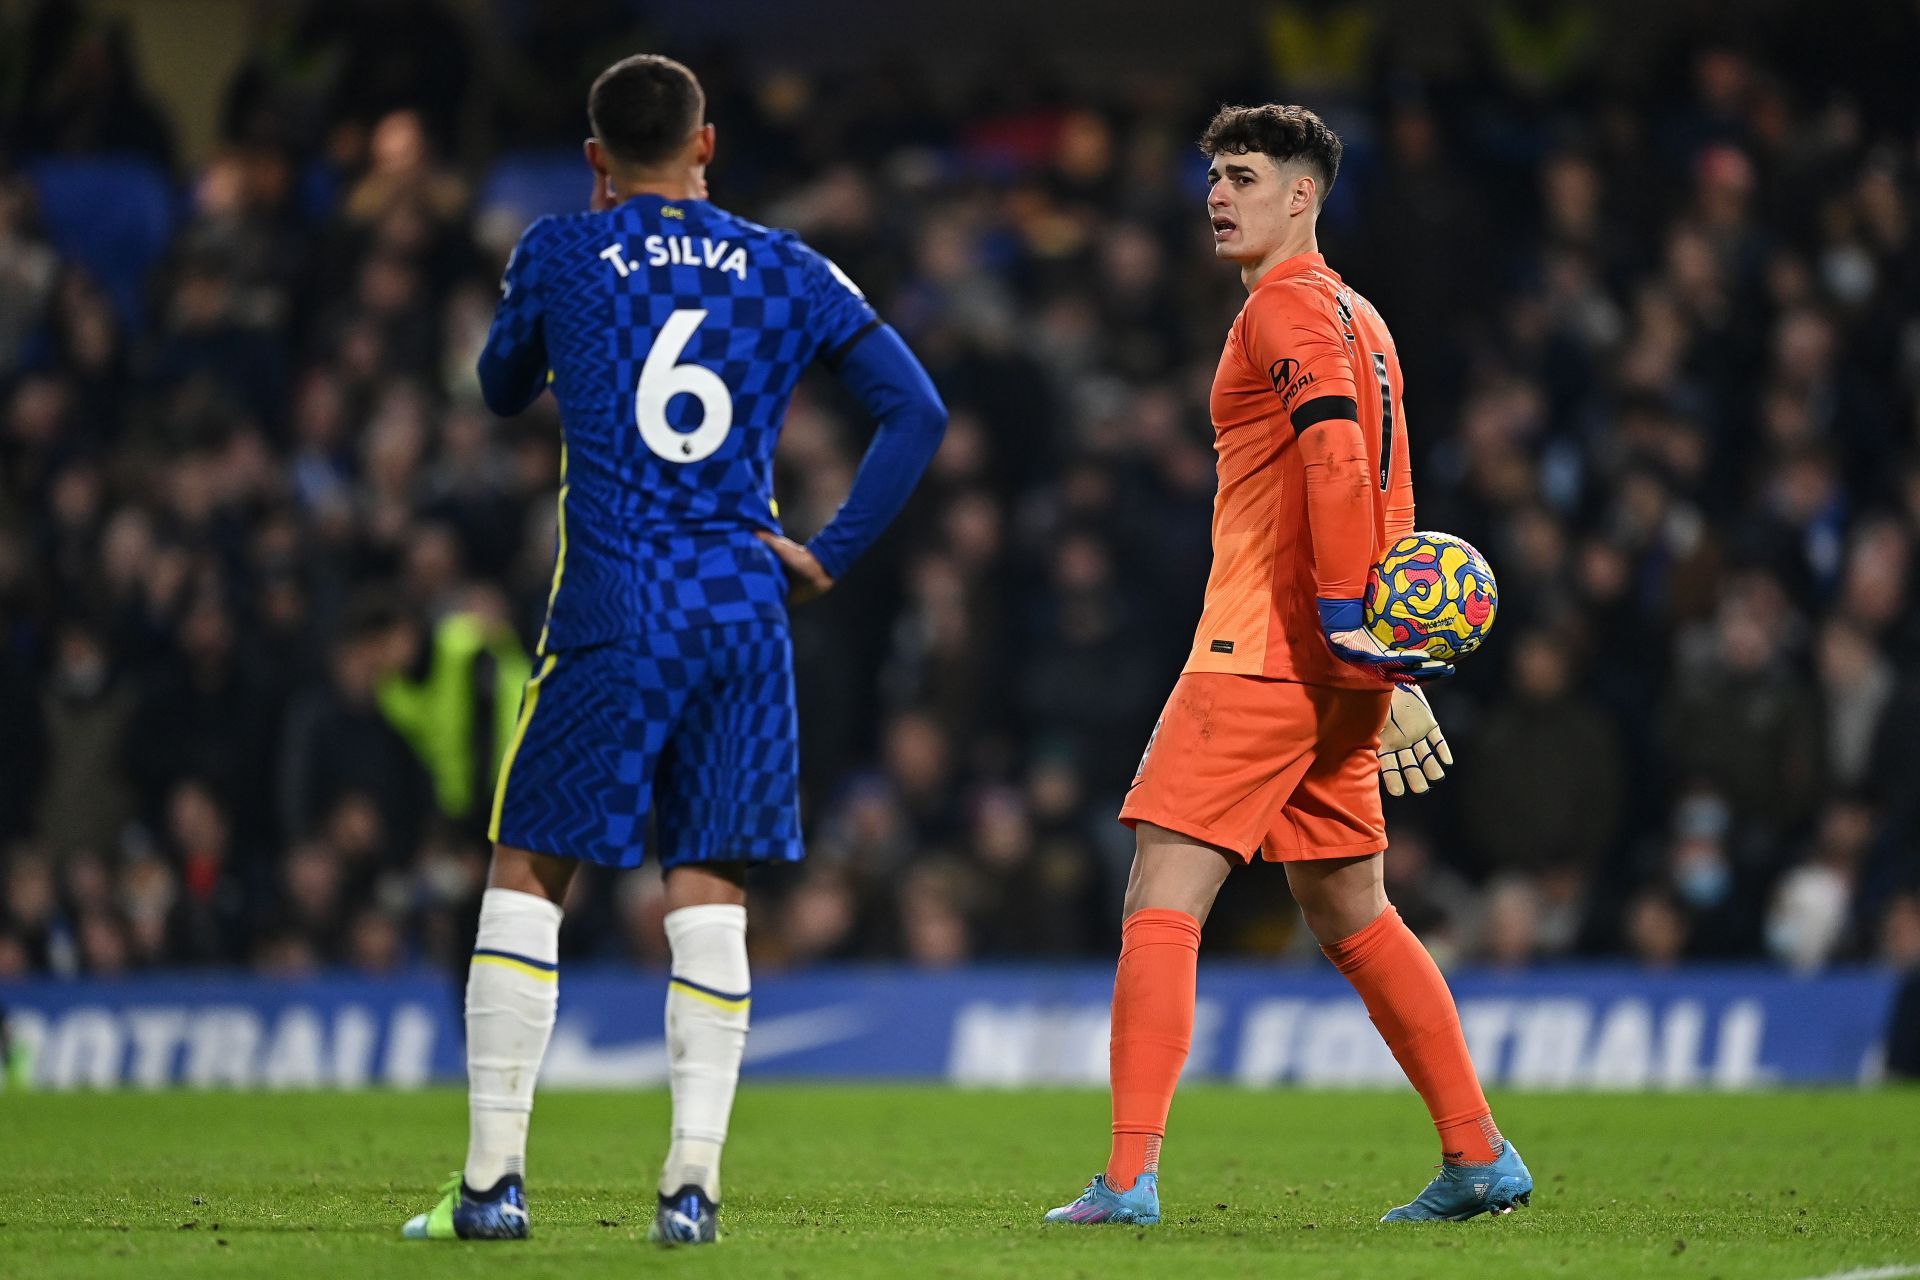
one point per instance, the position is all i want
(1284, 133)
(644, 108)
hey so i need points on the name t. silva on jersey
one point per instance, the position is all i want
(681, 251)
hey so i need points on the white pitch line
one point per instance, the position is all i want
(1871, 1273)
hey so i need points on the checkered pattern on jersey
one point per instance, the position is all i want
(699, 723)
(651, 534)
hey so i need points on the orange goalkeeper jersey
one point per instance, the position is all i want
(1313, 474)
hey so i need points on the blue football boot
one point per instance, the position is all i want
(1462, 1191)
(686, 1217)
(466, 1214)
(1138, 1204)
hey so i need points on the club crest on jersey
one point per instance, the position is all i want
(1288, 381)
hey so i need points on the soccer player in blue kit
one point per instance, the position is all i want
(663, 679)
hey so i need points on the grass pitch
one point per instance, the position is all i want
(854, 1182)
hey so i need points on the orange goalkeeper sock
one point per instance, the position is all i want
(1152, 1031)
(1415, 1013)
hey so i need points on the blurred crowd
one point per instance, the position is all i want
(270, 574)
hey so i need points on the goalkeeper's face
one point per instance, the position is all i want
(1250, 202)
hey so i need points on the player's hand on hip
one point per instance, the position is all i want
(1342, 622)
(806, 580)
(1413, 752)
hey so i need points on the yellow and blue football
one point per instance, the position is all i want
(1431, 592)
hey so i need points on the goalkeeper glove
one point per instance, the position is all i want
(1413, 752)
(1343, 623)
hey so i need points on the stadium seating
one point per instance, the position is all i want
(532, 184)
(113, 214)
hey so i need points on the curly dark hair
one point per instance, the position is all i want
(1283, 132)
(644, 108)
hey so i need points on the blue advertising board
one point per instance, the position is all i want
(1576, 1028)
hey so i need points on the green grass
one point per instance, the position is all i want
(929, 1183)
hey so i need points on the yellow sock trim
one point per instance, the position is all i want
(519, 966)
(707, 997)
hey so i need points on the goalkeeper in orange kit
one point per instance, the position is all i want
(1289, 714)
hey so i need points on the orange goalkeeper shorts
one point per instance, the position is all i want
(1272, 767)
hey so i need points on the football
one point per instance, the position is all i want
(1431, 592)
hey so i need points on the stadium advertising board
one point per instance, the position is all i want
(1572, 1029)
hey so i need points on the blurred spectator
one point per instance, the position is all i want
(374, 944)
(313, 900)
(339, 747)
(86, 711)
(15, 963)
(1543, 786)
(29, 271)
(1437, 902)
(1657, 929)
(1510, 925)
(34, 917)
(920, 767)
(1712, 878)
(1807, 923)
(210, 915)
(1088, 681)
(80, 90)
(459, 716)
(1900, 950)
(103, 945)
(818, 918)
(1037, 895)
(1856, 687)
(204, 713)
(1738, 721)
(148, 896)
(935, 901)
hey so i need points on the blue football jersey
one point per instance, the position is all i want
(675, 333)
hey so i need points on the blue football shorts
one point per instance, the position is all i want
(696, 727)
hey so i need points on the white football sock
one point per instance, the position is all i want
(513, 989)
(707, 1002)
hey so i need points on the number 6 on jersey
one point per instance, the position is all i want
(662, 378)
